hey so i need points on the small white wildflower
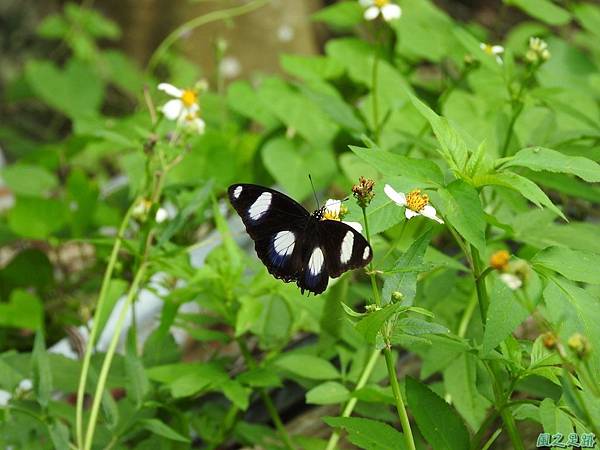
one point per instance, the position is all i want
(165, 212)
(511, 280)
(184, 103)
(5, 397)
(388, 10)
(230, 67)
(334, 211)
(285, 33)
(25, 385)
(415, 203)
(538, 50)
(141, 208)
(493, 50)
(194, 123)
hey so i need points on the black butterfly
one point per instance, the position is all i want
(295, 245)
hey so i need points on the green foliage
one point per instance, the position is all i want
(105, 202)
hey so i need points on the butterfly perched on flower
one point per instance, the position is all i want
(294, 244)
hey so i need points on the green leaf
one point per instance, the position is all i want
(310, 67)
(438, 422)
(42, 375)
(242, 98)
(406, 282)
(136, 381)
(59, 434)
(369, 434)
(340, 15)
(297, 363)
(259, 377)
(327, 393)
(527, 188)
(540, 158)
(544, 10)
(372, 323)
(76, 90)
(23, 310)
(53, 26)
(454, 148)
(37, 218)
(460, 381)
(588, 16)
(25, 179)
(236, 393)
(333, 105)
(162, 429)
(576, 265)
(418, 327)
(461, 207)
(553, 419)
(505, 313)
(116, 288)
(290, 162)
(297, 112)
(422, 171)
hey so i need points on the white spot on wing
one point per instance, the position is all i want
(315, 263)
(237, 192)
(284, 242)
(366, 253)
(347, 245)
(260, 206)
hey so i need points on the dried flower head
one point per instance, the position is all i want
(549, 340)
(363, 191)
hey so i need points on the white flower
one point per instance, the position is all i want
(285, 33)
(184, 103)
(511, 280)
(5, 397)
(141, 208)
(25, 385)
(388, 10)
(415, 203)
(230, 67)
(194, 123)
(493, 50)
(333, 210)
(538, 50)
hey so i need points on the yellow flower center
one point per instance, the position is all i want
(499, 260)
(416, 201)
(488, 49)
(330, 215)
(381, 3)
(189, 97)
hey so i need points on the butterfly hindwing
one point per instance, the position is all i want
(295, 245)
(277, 225)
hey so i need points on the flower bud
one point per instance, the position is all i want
(363, 191)
(579, 345)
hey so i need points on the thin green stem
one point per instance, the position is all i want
(96, 326)
(480, 284)
(492, 438)
(109, 356)
(266, 399)
(196, 22)
(467, 315)
(393, 375)
(347, 411)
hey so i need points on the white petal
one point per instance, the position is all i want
(497, 49)
(26, 384)
(398, 197)
(170, 89)
(365, 3)
(200, 125)
(499, 60)
(356, 225)
(409, 213)
(482, 46)
(333, 206)
(371, 12)
(161, 215)
(173, 109)
(511, 280)
(5, 397)
(391, 12)
(429, 212)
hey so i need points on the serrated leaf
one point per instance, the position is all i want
(540, 158)
(406, 282)
(576, 265)
(162, 429)
(462, 208)
(369, 326)
(42, 375)
(327, 393)
(438, 422)
(369, 434)
(505, 313)
(297, 363)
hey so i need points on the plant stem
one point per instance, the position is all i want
(265, 398)
(402, 415)
(109, 356)
(96, 326)
(347, 411)
(408, 437)
(480, 285)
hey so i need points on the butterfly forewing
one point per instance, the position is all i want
(292, 244)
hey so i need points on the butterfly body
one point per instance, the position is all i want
(294, 244)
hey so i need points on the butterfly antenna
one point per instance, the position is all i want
(313, 188)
